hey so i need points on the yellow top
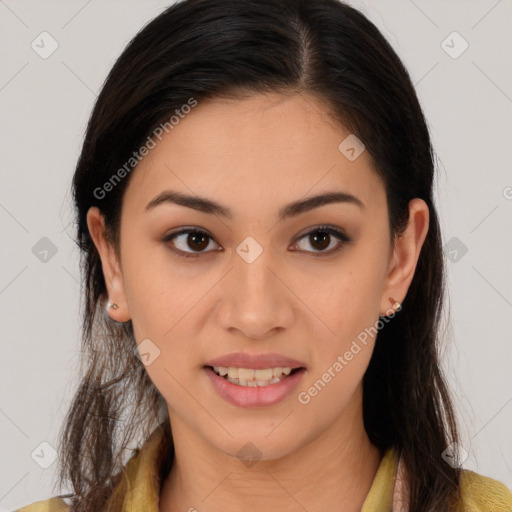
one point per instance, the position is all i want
(139, 488)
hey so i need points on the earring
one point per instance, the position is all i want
(395, 304)
(113, 305)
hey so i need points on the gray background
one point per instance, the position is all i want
(45, 104)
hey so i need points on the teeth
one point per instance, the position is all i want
(232, 372)
(251, 377)
(253, 383)
(245, 374)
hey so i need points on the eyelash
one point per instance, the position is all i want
(323, 229)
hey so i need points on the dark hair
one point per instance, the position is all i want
(206, 49)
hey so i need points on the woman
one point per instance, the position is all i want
(264, 275)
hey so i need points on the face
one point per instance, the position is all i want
(256, 276)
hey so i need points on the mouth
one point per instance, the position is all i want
(254, 387)
(252, 377)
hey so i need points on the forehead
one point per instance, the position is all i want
(254, 153)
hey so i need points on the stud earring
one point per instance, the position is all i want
(395, 304)
(113, 305)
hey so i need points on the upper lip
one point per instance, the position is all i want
(256, 361)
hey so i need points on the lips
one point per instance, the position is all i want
(255, 361)
(257, 396)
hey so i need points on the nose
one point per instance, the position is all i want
(256, 301)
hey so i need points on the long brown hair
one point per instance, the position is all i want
(204, 49)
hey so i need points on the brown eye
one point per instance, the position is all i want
(197, 241)
(189, 241)
(320, 239)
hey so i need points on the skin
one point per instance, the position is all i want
(255, 155)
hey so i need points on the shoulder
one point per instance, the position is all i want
(49, 505)
(484, 494)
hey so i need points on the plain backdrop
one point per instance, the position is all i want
(45, 103)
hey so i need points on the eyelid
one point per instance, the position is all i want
(330, 230)
(183, 231)
(326, 228)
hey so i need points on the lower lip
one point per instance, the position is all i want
(257, 396)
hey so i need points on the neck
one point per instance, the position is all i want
(336, 470)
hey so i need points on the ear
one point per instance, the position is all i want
(406, 252)
(110, 265)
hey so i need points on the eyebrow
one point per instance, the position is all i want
(294, 209)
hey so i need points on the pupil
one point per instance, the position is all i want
(199, 239)
(323, 235)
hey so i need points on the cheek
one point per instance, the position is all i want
(166, 308)
(346, 305)
(347, 299)
(156, 290)
(341, 356)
